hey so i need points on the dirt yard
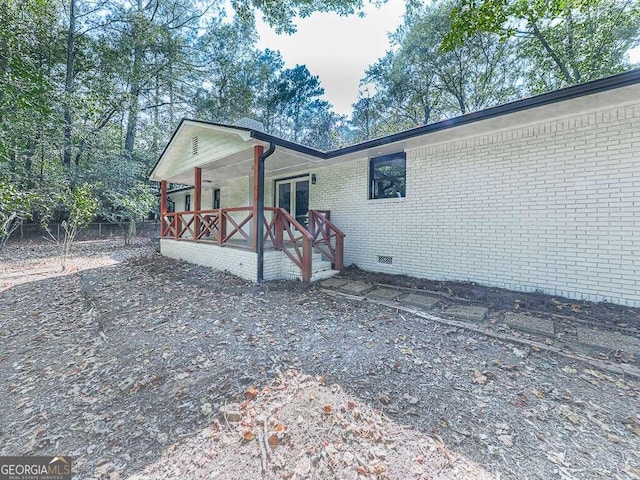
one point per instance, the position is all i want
(142, 367)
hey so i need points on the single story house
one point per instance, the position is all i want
(540, 194)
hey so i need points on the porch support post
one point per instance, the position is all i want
(258, 184)
(197, 201)
(163, 206)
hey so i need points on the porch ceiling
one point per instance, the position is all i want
(224, 153)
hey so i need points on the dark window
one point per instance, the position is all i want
(171, 206)
(216, 198)
(187, 203)
(387, 176)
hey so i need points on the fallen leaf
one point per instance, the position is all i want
(478, 378)
(361, 470)
(633, 472)
(328, 409)
(248, 435)
(632, 424)
(411, 400)
(556, 457)
(613, 438)
(601, 424)
(507, 440)
(273, 441)
(251, 393)
(538, 393)
(378, 470)
(572, 416)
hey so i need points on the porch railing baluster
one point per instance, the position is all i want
(298, 245)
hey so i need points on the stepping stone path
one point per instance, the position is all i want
(608, 340)
(333, 283)
(473, 313)
(602, 340)
(423, 301)
(384, 294)
(539, 326)
(355, 288)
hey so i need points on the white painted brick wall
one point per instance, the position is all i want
(179, 199)
(242, 263)
(236, 261)
(553, 206)
(236, 193)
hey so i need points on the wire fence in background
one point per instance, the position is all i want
(31, 231)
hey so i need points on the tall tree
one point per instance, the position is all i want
(569, 41)
(68, 83)
(417, 83)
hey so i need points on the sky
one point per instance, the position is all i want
(337, 49)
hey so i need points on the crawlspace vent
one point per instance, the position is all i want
(194, 145)
(385, 260)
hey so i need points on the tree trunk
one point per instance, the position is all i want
(132, 118)
(68, 84)
(156, 118)
(554, 56)
(134, 95)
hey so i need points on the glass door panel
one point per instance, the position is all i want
(284, 196)
(293, 195)
(302, 202)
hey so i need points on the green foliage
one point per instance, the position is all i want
(280, 14)
(15, 206)
(417, 83)
(80, 208)
(91, 94)
(126, 207)
(453, 58)
(564, 41)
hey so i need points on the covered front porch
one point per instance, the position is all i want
(253, 241)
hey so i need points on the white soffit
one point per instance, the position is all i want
(223, 153)
(214, 143)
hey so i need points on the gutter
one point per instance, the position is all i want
(260, 219)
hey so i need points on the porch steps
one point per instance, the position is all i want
(321, 268)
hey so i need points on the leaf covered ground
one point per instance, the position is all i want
(144, 367)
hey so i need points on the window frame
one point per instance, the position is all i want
(187, 202)
(373, 161)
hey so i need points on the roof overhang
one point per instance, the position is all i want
(225, 153)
